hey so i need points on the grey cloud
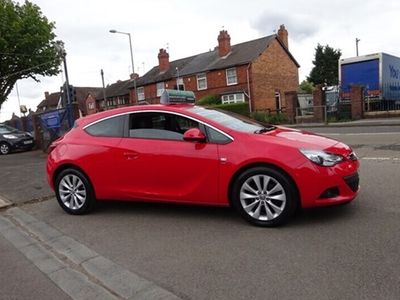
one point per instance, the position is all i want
(299, 26)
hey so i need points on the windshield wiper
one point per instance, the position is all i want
(264, 129)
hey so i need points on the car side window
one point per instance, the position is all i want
(111, 127)
(216, 137)
(154, 125)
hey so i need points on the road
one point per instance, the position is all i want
(345, 252)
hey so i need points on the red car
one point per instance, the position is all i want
(183, 153)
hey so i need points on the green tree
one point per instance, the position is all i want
(325, 68)
(27, 45)
(306, 86)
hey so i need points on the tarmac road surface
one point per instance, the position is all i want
(190, 252)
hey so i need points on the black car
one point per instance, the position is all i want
(14, 139)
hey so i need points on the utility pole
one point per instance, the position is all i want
(104, 89)
(357, 40)
(177, 78)
(63, 54)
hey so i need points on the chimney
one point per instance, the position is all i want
(224, 43)
(134, 76)
(163, 60)
(283, 35)
(46, 95)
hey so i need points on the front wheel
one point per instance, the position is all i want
(264, 196)
(74, 192)
(4, 148)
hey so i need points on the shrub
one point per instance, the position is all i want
(209, 100)
(265, 117)
(239, 108)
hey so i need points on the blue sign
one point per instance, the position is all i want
(51, 119)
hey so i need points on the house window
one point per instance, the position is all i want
(179, 84)
(160, 89)
(231, 77)
(232, 98)
(140, 94)
(201, 81)
(90, 105)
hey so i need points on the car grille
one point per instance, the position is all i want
(352, 181)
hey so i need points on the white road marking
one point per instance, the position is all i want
(381, 158)
(362, 133)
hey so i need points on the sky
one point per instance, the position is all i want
(191, 27)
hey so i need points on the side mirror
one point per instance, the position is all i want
(194, 135)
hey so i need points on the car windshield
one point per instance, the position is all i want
(7, 129)
(231, 120)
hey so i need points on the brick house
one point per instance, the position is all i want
(49, 102)
(116, 94)
(84, 96)
(258, 71)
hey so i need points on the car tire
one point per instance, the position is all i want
(264, 196)
(4, 148)
(74, 192)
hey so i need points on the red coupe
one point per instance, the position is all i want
(183, 153)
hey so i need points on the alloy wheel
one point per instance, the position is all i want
(4, 148)
(262, 197)
(72, 192)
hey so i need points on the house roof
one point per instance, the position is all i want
(50, 102)
(81, 93)
(120, 88)
(240, 54)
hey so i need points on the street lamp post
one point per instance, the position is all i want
(133, 66)
(357, 41)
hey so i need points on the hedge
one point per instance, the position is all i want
(239, 108)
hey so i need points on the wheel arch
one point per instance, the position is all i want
(262, 164)
(75, 167)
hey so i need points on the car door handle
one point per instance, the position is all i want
(131, 155)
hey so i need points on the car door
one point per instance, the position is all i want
(158, 164)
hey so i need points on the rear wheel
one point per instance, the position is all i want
(264, 196)
(4, 148)
(74, 192)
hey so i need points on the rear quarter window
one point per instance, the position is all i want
(111, 127)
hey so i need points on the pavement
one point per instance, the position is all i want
(78, 271)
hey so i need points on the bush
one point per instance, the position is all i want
(265, 117)
(239, 108)
(209, 100)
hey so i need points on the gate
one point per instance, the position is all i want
(51, 125)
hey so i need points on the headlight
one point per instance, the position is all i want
(10, 136)
(322, 158)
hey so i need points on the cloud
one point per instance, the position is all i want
(299, 26)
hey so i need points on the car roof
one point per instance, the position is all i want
(118, 111)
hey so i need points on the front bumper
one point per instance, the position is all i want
(324, 186)
(22, 144)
